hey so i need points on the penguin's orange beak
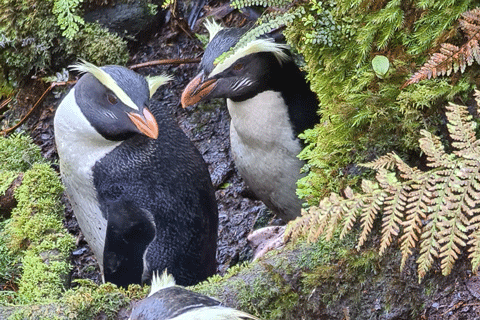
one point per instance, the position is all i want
(146, 123)
(197, 89)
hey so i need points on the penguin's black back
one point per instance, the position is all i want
(164, 181)
(171, 302)
(302, 103)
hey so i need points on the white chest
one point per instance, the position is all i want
(265, 150)
(263, 122)
(79, 147)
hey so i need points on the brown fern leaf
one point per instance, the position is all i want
(338, 209)
(416, 209)
(451, 238)
(406, 172)
(323, 217)
(369, 212)
(453, 58)
(436, 187)
(474, 249)
(462, 131)
(432, 146)
(354, 207)
(387, 161)
(470, 23)
(394, 208)
(429, 246)
(297, 227)
(438, 65)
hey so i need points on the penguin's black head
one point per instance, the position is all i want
(250, 69)
(115, 101)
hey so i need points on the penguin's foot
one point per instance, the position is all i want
(265, 239)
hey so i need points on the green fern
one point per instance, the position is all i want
(238, 4)
(67, 16)
(435, 211)
(362, 115)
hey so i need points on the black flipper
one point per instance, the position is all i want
(129, 231)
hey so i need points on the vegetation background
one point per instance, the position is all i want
(393, 172)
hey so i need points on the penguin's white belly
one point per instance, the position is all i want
(265, 151)
(79, 147)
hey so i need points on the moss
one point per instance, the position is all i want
(18, 153)
(34, 235)
(89, 300)
(33, 40)
(96, 45)
(6, 179)
(9, 270)
(211, 286)
(39, 211)
(363, 116)
(36, 232)
(42, 280)
(35, 247)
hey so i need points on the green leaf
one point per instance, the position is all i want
(380, 65)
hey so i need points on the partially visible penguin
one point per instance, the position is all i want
(168, 301)
(269, 102)
(140, 190)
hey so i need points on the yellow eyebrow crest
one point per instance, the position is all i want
(255, 46)
(154, 82)
(212, 27)
(106, 80)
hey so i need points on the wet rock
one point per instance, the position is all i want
(127, 18)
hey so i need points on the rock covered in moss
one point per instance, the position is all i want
(35, 231)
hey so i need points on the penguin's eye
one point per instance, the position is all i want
(111, 98)
(238, 66)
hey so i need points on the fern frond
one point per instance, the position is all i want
(394, 207)
(452, 58)
(68, 18)
(418, 200)
(298, 227)
(339, 208)
(470, 23)
(474, 249)
(369, 212)
(429, 246)
(353, 207)
(452, 238)
(432, 146)
(437, 210)
(238, 4)
(453, 229)
(387, 161)
(462, 130)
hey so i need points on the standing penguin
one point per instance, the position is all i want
(269, 102)
(140, 190)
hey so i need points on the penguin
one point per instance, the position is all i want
(166, 300)
(139, 188)
(269, 102)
